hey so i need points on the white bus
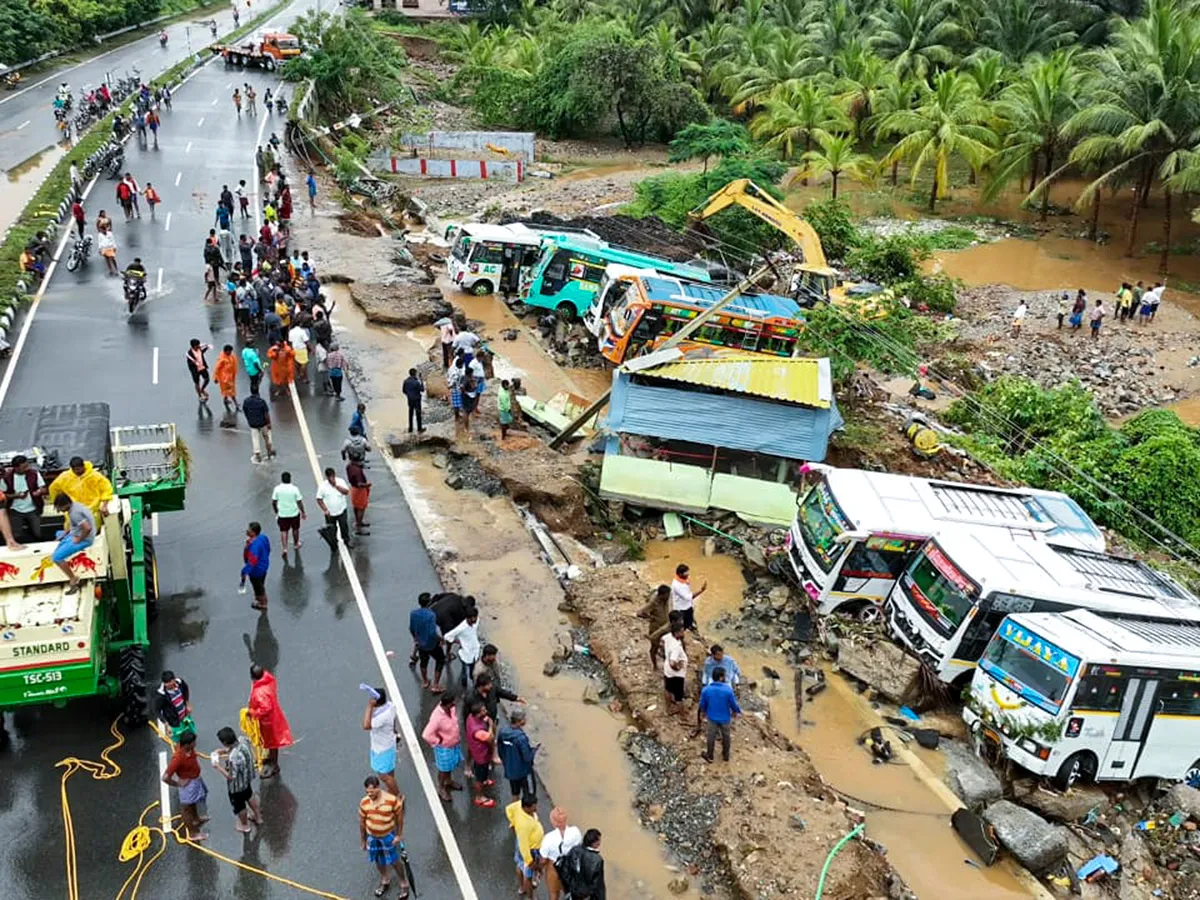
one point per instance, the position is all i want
(961, 584)
(488, 258)
(856, 531)
(1079, 697)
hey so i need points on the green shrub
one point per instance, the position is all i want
(888, 344)
(935, 293)
(887, 260)
(835, 225)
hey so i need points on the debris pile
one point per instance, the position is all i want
(401, 305)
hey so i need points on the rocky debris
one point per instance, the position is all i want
(1137, 869)
(1185, 798)
(649, 235)
(545, 480)
(889, 226)
(969, 776)
(1037, 845)
(401, 305)
(1071, 806)
(882, 665)
(464, 472)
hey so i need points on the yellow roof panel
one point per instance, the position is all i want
(804, 381)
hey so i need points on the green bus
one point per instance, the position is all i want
(569, 270)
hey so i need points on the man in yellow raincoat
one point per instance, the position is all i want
(83, 484)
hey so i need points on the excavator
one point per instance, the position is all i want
(816, 281)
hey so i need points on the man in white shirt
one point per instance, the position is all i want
(331, 497)
(449, 332)
(466, 341)
(466, 635)
(674, 667)
(76, 181)
(288, 503)
(683, 598)
(557, 843)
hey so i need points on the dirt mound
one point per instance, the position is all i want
(649, 235)
(539, 476)
(402, 305)
(358, 223)
(768, 797)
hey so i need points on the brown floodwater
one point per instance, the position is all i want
(904, 812)
(23, 181)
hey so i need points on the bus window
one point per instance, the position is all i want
(462, 248)
(555, 275)
(487, 254)
(1180, 697)
(819, 530)
(940, 599)
(1030, 671)
(866, 561)
(1100, 690)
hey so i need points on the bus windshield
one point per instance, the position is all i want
(938, 590)
(462, 247)
(819, 529)
(1029, 665)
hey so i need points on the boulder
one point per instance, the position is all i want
(1037, 845)
(1069, 807)
(970, 777)
(1136, 869)
(1184, 798)
(401, 305)
(883, 666)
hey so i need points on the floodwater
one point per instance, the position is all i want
(22, 183)
(580, 759)
(903, 812)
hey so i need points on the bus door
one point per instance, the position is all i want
(1133, 722)
(510, 270)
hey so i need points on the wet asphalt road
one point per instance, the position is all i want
(83, 346)
(27, 114)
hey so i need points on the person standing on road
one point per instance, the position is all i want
(288, 503)
(557, 843)
(225, 375)
(256, 561)
(251, 97)
(173, 706)
(719, 705)
(311, 183)
(282, 365)
(414, 389)
(237, 102)
(125, 198)
(481, 744)
(331, 497)
(225, 244)
(152, 198)
(153, 121)
(183, 772)
(253, 365)
(586, 868)
(198, 367)
(226, 199)
(528, 831)
(108, 249)
(139, 123)
(246, 250)
(25, 494)
(235, 761)
(682, 598)
(383, 722)
(76, 181)
(427, 644)
(272, 723)
(441, 733)
(335, 365)
(104, 222)
(258, 419)
(381, 827)
(298, 338)
(134, 190)
(243, 202)
(80, 217)
(360, 495)
(466, 635)
(517, 754)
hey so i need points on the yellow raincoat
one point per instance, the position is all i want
(91, 488)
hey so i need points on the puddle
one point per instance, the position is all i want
(599, 171)
(514, 590)
(22, 182)
(1188, 410)
(926, 852)
(591, 383)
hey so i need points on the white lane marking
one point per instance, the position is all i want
(227, 87)
(188, 148)
(23, 124)
(215, 99)
(167, 223)
(61, 72)
(154, 368)
(178, 177)
(159, 279)
(153, 524)
(200, 124)
(164, 793)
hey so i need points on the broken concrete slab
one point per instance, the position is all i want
(1137, 867)
(970, 777)
(883, 666)
(1184, 798)
(1037, 845)
(401, 305)
(1069, 807)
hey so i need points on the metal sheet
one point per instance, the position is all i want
(803, 381)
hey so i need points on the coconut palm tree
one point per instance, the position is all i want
(787, 63)
(948, 122)
(918, 35)
(861, 75)
(1018, 29)
(897, 95)
(794, 118)
(838, 157)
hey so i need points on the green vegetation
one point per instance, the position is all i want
(892, 344)
(1057, 438)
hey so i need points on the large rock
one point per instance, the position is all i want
(882, 665)
(402, 305)
(1186, 799)
(1069, 807)
(970, 777)
(1037, 845)
(1137, 869)
(545, 480)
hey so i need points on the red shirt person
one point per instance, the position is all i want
(272, 723)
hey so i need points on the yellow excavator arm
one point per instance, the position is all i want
(748, 195)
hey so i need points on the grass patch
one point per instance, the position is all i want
(956, 237)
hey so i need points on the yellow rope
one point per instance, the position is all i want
(262, 872)
(100, 771)
(166, 738)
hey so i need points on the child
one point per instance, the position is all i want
(481, 737)
(152, 198)
(504, 408)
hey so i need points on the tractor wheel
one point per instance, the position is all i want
(133, 686)
(151, 579)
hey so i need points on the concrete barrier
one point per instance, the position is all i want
(487, 170)
(518, 144)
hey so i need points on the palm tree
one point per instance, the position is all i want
(917, 34)
(949, 122)
(838, 157)
(796, 117)
(836, 24)
(1018, 29)
(861, 76)
(787, 63)
(897, 95)
(1035, 111)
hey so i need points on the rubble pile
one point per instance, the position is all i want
(727, 821)
(401, 305)
(648, 235)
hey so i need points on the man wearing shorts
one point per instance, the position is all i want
(288, 504)
(381, 827)
(423, 626)
(235, 760)
(674, 666)
(80, 534)
(383, 722)
(256, 557)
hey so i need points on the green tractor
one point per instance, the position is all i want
(56, 646)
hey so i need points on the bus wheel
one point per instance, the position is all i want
(1192, 778)
(482, 288)
(1076, 768)
(869, 613)
(566, 311)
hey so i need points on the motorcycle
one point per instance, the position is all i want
(281, 105)
(115, 165)
(162, 39)
(80, 251)
(135, 291)
(12, 80)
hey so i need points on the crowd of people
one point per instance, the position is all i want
(1132, 302)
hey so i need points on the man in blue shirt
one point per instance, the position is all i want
(719, 706)
(427, 639)
(718, 657)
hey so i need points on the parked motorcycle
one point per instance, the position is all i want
(80, 251)
(135, 292)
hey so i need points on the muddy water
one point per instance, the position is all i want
(914, 821)
(592, 383)
(22, 183)
(580, 760)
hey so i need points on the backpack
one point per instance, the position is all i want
(567, 868)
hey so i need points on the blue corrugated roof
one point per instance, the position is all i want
(661, 290)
